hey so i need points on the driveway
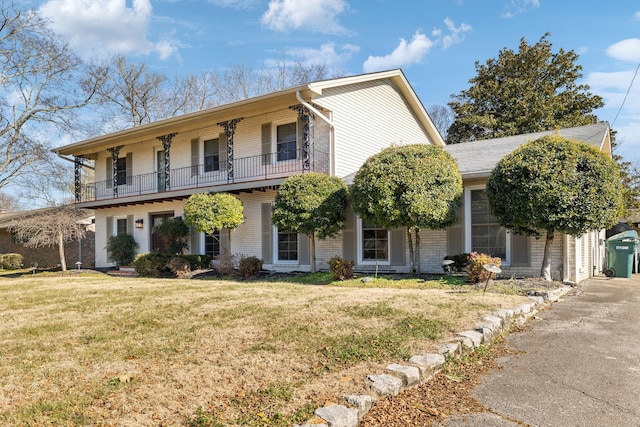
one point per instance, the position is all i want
(578, 363)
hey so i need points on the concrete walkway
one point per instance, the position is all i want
(579, 363)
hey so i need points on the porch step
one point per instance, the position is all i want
(125, 271)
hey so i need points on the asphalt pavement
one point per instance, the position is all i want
(578, 364)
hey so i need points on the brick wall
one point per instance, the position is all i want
(48, 257)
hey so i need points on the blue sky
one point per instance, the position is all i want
(435, 42)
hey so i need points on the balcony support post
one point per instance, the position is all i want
(166, 146)
(115, 152)
(229, 130)
(306, 118)
(77, 175)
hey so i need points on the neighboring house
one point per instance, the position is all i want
(144, 174)
(48, 257)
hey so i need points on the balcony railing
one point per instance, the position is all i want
(244, 169)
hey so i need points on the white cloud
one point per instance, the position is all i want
(636, 17)
(326, 55)
(315, 15)
(98, 28)
(456, 34)
(625, 50)
(405, 54)
(417, 49)
(517, 7)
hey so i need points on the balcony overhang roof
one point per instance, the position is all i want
(247, 108)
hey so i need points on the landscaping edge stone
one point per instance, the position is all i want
(419, 369)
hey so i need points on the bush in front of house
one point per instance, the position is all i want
(341, 269)
(460, 262)
(11, 261)
(197, 262)
(179, 266)
(151, 264)
(122, 249)
(475, 267)
(249, 266)
(226, 264)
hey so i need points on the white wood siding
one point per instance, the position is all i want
(368, 117)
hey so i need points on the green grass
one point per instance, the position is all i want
(215, 352)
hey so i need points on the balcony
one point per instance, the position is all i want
(244, 170)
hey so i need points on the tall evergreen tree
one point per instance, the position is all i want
(531, 90)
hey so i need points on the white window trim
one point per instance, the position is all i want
(274, 140)
(276, 260)
(467, 225)
(360, 248)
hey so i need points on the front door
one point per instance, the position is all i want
(156, 239)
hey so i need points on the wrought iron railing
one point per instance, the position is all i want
(243, 169)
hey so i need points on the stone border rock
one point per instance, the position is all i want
(420, 368)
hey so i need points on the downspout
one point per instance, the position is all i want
(326, 119)
(314, 109)
(565, 254)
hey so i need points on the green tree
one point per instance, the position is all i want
(413, 186)
(313, 204)
(520, 92)
(210, 213)
(173, 233)
(555, 184)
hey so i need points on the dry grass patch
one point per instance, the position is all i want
(106, 351)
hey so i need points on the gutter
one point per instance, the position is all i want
(72, 160)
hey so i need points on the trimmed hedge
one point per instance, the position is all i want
(11, 261)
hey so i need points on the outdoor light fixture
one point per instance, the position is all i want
(139, 223)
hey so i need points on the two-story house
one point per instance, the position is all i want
(143, 175)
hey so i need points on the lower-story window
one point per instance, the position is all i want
(287, 246)
(121, 226)
(212, 244)
(375, 242)
(487, 236)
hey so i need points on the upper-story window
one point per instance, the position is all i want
(212, 155)
(286, 142)
(121, 171)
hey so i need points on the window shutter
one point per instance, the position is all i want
(194, 244)
(109, 228)
(520, 250)
(222, 151)
(225, 243)
(266, 144)
(455, 234)
(195, 156)
(129, 170)
(267, 234)
(397, 244)
(349, 236)
(304, 249)
(109, 172)
(130, 224)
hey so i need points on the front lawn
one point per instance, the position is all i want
(105, 351)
